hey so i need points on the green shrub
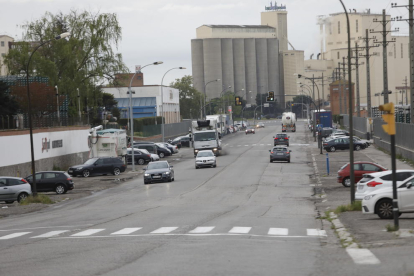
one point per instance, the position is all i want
(355, 206)
(40, 198)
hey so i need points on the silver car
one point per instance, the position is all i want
(14, 188)
(205, 158)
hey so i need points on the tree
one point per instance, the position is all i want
(108, 101)
(8, 105)
(306, 100)
(85, 61)
(190, 98)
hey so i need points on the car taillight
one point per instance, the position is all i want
(24, 180)
(69, 179)
(287, 152)
(373, 184)
(276, 138)
(325, 144)
(271, 152)
(286, 138)
(149, 155)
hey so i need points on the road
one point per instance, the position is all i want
(245, 217)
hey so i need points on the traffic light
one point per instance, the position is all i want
(270, 96)
(388, 117)
(237, 100)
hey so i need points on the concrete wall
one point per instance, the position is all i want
(273, 67)
(227, 63)
(239, 67)
(278, 20)
(213, 67)
(52, 147)
(237, 31)
(251, 68)
(262, 66)
(197, 60)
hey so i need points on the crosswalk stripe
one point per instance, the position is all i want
(164, 230)
(362, 256)
(14, 235)
(278, 231)
(246, 145)
(240, 230)
(315, 232)
(201, 230)
(87, 232)
(126, 231)
(51, 234)
(269, 144)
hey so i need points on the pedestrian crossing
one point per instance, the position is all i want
(171, 230)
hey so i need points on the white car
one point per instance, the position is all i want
(154, 157)
(380, 201)
(374, 181)
(14, 189)
(205, 158)
(174, 147)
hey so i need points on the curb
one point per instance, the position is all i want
(347, 240)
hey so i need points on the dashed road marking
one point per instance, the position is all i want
(164, 230)
(202, 230)
(362, 256)
(14, 235)
(126, 231)
(316, 232)
(51, 234)
(240, 230)
(87, 232)
(278, 231)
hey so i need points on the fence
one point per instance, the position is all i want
(21, 121)
(361, 126)
(404, 138)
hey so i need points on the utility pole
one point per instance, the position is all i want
(367, 56)
(344, 88)
(384, 43)
(410, 21)
(405, 88)
(357, 77)
(323, 93)
(340, 88)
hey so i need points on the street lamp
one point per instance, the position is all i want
(162, 100)
(131, 113)
(222, 100)
(29, 105)
(57, 103)
(205, 95)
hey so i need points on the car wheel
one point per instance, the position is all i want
(116, 171)
(384, 209)
(357, 147)
(288, 160)
(346, 182)
(271, 161)
(170, 179)
(215, 165)
(173, 179)
(332, 149)
(196, 167)
(141, 161)
(162, 155)
(288, 145)
(60, 189)
(86, 173)
(22, 196)
(9, 201)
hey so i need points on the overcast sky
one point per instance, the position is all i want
(162, 30)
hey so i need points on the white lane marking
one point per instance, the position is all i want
(269, 144)
(14, 235)
(246, 145)
(87, 232)
(126, 231)
(64, 226)
(278, 231)
(201, 230)
(254, 144)
(262, 144)
(316, 232)
(51, 234)
(240, 230)
(164, 230)
(362, 256)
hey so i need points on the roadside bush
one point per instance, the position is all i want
(356, 206)
(40, 198)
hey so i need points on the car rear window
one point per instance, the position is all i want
(387, 177)
(280, 149)
(366, 178)
(281, 135)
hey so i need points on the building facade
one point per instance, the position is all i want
(4, 50)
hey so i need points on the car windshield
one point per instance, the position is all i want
(280, 149)
(205, 154)
(205, 136)
(281, 135)
(155, 166)
(91, 161)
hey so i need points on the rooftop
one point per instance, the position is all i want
(240, 26)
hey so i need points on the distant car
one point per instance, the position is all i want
(162, 150)
(176, 142)
(140, 157)
(341, 144)
(380, 201)
(340, 132)
(185, 141)
(52, 181)
(159, 171)
(14, 189)
(149, 146)
(360, 168)
(172, 148)
(280, 154)
(250, 130)
(326, 131)
(259, 125)
(154, 157)
(281, 139)
(101, 165)
(205, 158)
(371, 182)
(279, 117)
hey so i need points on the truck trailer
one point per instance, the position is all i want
(288, 122)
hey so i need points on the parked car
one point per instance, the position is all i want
(341, 144)
(162, 150)
(373, 181)
(52, 181)
(101, 165)
(366, 142)
(185, 141)
(154, 157)
(172, 148)
(159, 171)
(340, 132)
(14, 189)
(280, 154)
(205, 158)
(326, 131)
(149, 146)
(281, 139)
(250, 130)
(259, 125)
(176, 142)
(380, 201)
(360, 168)
(140, 157)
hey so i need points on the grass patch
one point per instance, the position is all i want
(44, 199)
(356, 206)
(391, 228)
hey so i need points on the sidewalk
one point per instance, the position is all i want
(367, 230)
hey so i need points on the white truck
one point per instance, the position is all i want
(205, 136)
(108, 142)
(222, 123)
(288, 122)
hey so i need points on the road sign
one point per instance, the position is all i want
(265, 105)
(229, 108)
(248, 105)
(137, 68)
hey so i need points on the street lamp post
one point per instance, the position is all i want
(29, 106)
(131, 113)
(79, 109)
(162, 101)
(222, 100)
(205, 96)
(57, 104)
(254, 114)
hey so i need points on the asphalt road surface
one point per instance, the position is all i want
(246, 217)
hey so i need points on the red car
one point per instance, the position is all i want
(360, 168)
